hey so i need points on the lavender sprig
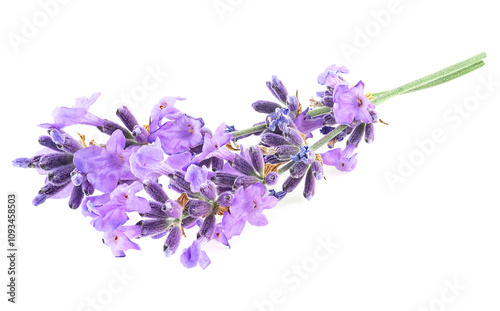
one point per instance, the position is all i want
(222, 184)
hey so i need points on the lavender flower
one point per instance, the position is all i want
(351, 103)
(120, 239)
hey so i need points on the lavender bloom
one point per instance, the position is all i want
(215, 145)
(164, 109)
(330, 76)
(304, 155)
(148, 162)
(196, 176)
(352, 104)
(119, 239)
(194, 255)
(78, 114)
(307, 124)
(180, 135)
(344, 160)
(278, 119)
(248, 205)
(123, 200)
(277, 89)
(106, 166)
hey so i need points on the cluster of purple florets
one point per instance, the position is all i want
(215, 183)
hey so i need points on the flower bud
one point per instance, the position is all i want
(172, 242)
(291, 183)
(46, 141)
(277, 89)
(224, 179)
(292, 102)
(140, 134)
(22, 162)
(53, 160)
(271, 178)
(356, 135)
(273, 140)
(198, 208)
(152, 227)
(225, 199)
(109, 127)
(76, 197)
(127, 117)
(257, 158)
(298, 169)
(245, 181)
(264, 106)
(243, 166)
(155, 190)
(310, 185)
(207, 228)
(209, 190)
(88, 188)
(286, 152)
(64, 142)
(60, 175)
(317, 170)
(369, 133)
(217, 164)
(293, 136)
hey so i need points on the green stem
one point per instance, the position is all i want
(319, 111)
(325, 139)
(251, 130)
(285, 167)
(447, 78)
(440, 80)
(434, 76)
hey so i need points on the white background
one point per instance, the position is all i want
(398, 246)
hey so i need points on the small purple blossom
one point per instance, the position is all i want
(344, 160)
(196, 176)
(106, 166)
(194, 255)
(180, 135)
(78, 114)
(119, 240)
(330, 76)
(351, 104)
(123, 200)
(248, 205)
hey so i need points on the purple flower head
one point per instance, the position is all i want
(330, 76)
(352, 104)
(280, 118)
(122, 201)
(180, 135)
(148, 161)
(306, 124)
(164, 109)
(106, 166)
(196, 176)
(304, 155)
(78, 114)
(119, 240)
(214, 145)
(344, 160)
(248, 205)
(194, 255)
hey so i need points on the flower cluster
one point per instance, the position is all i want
(194, 178)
